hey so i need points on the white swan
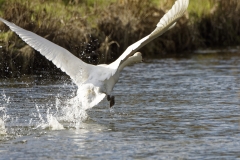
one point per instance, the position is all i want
(97, 81)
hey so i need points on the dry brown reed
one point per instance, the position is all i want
(222, 26)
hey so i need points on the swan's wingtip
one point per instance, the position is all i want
(177, 11)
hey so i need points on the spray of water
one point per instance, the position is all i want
(58, 114)
(2, 128)
(3, 113)
(70, 112)
(51, 121)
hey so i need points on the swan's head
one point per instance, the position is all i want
(136, 58)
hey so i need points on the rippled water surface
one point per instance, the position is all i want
(168, 108)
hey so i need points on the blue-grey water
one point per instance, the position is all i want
(170, 108)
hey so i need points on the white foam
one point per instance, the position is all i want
(75, 109)
(51, 123)
(2, 128)
(71, 112)
(3, 113)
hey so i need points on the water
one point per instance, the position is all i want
(184, 108)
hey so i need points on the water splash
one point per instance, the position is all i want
(2, 128)
(72, 112)
(67, 113)
(49, 122)
(3, 113)
(65, 110)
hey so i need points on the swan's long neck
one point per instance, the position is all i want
(136, 58)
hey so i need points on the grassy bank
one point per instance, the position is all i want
(99, 31)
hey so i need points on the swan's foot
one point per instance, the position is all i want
(111, 99)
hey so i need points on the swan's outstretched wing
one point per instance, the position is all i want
(63, 59)
(166, 22)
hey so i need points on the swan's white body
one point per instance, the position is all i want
(97, 80)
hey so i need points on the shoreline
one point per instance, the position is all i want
(99, 34)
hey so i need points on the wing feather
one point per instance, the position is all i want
(63, 59)
(165, 23)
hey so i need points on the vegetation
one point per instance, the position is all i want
(98, 31)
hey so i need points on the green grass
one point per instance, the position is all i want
(200, 7)
(4, 37)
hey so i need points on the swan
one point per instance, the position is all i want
(96, 81)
